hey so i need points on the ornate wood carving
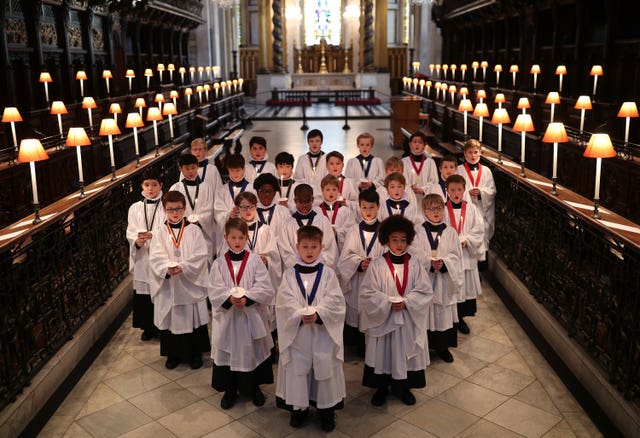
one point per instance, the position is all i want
(48, 34)
(16, 31)
(75, 36)
(334, 57)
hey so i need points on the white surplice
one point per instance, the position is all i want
(353, 253)
(311, 355)
(486, 202)
(344, 220)
(139, 257)
(354, 169)
(240, 338)
(204, 204)
(254, 170)
(288, 239)
(427, 175)
(396, 342)
(447, 286)
(223, 204)
(180, 300)
(306, 173)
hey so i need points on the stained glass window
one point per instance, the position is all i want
(322, 18)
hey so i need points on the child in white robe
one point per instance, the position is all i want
(224, 208)
(348, 187)
(419, 168)
(240, 335)
(310, 313)
(448, 166)
(199, 209)
(286, 183)
(394, 301)
(305, 215)
(365, 168)
(268, 210)
(311, 167)
(481, 188)
(438, 247)
(178, 286)
(396, 202)
(258, 164)
(360, 247)
(467, 221)
(145, 219)
(336, 211)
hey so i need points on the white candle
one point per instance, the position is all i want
(598, 168)
(626, 131)
(555, 159)
(582, 111)
(135, 140)
(108, 89)
(46, 91)
(130, 84)
(463, 72)
(182, 77)
(113, 161)
(497, 78)
(206, 94)
(484, 73)
(155, 131)
(148, 81)
(499, 137)
(200, 97)
(174, 102)
(191, 73)
(15, 138)
(452, 98)
(34, 183)
(60, 124)
(514, 79)
(171, 75)
(160, 73)
(560, 87)
(235, 276)
(188, 101)
(475, 69)
(306, 294)
(79, 163)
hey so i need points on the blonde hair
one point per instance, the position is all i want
(472, 143)
(365, 135)
(395, 176)
(432, 199)
(394, 163)
(199, 141)
(329, 180)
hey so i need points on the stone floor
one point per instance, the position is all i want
(498, 386)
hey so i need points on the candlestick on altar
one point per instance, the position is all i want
(535, 70)
(154, 115)
(523, 124)
(130, 74)
(109, 128)
(555, 134)
(599, 147)
(106, 75)
(81, 76)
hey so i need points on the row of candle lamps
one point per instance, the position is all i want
(598, 147)
(561, 71)
(81, 76)
(31, 150)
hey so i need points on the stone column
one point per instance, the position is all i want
(264, 28)
(381, 58)
(368, 61)
(276, 19)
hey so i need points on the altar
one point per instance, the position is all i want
(323, 81)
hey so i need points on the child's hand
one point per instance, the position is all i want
(342, 202)
(437, 264)
(234, 213)
(474, 191)
(309, 319)
(397, 307)
(174, 271)
(284, 203)
(265, 261)
(463, 243)
(365, 264)
(365, 184)
(417, 190)
(140, 241)
(238, 302)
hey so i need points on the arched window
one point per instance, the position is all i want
(322, 18)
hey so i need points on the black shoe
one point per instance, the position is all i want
(258, 397)
(298, 417)
(196, 362)
(408, 398)
(463, 327)
(228, 399)
(147, 335)
(445, 355)
(172, 362)
(327, 420)
(380, 396)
